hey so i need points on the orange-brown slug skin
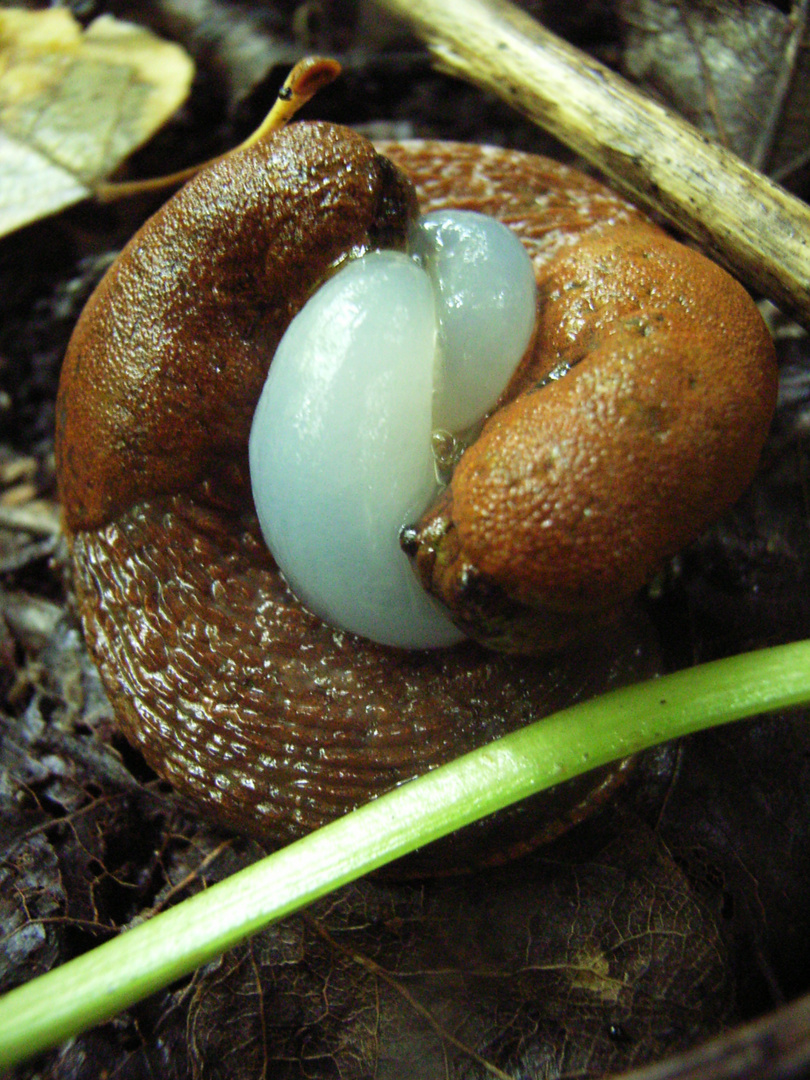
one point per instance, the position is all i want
(165, 367)
(272, 721)
(637, 418)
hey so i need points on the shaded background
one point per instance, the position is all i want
(675, 912)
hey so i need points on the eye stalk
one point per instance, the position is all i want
(387, 351)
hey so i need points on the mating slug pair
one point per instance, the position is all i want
(636, 415)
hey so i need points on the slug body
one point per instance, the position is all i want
(391, 352)
(247, 702)
(643, 423)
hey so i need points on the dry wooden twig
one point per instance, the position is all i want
(758, 230)
(776, 1047)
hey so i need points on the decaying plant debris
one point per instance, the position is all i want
(679, 911)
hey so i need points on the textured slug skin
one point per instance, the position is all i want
(267, 718)
(166, 365)
(580, 487)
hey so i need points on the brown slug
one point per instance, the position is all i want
(580, 487)
(637, 413)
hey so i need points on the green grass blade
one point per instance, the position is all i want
(97, 985)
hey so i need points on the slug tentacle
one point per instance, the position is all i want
(267, 717)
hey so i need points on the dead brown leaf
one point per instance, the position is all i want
(716, 62)
(30, 895)
(74, 104)
(576, 963)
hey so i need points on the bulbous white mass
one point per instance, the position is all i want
(340, 448)
(486, 307)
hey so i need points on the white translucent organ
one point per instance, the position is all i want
(485, 306)
(389, 349)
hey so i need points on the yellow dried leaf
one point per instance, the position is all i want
(74, 105)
